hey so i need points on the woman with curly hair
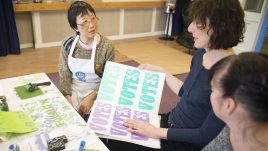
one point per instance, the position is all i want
(217, 26)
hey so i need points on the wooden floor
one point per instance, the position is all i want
(157, 52)
(46, 59)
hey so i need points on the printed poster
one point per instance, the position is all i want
(50, 113)
(127, 92)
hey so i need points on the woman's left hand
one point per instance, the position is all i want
(144, 129)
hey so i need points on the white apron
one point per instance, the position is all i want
(85, 80)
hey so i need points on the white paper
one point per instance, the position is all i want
(127, 92)
(53, 115)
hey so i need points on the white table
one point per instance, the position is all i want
(51, 112)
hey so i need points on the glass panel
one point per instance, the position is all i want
(253, 5)
(22, 1)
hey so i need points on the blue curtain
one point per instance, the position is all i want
(9, 40)
(177, 22)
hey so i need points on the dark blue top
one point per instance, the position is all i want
(193, 116)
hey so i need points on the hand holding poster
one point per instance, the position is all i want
(127, 92)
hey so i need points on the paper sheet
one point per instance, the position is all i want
(127, 92)
(16, 122)
(24, 94)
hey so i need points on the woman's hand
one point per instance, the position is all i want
(87, 103)
(152, 68)
(145, 129)
(69, 99)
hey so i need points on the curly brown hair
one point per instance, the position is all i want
(225, 19)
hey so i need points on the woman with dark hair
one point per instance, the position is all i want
(83, 57)
(217, 26)
(240, 98)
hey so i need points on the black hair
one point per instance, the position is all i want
(77, 8)
(244, 78)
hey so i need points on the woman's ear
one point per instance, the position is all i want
(229, 106)
(76, 31)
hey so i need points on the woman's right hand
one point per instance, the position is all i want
(152, 68)
(69, 99)
(145, 129)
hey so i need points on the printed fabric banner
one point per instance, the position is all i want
(51, 113)
(127, 92)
